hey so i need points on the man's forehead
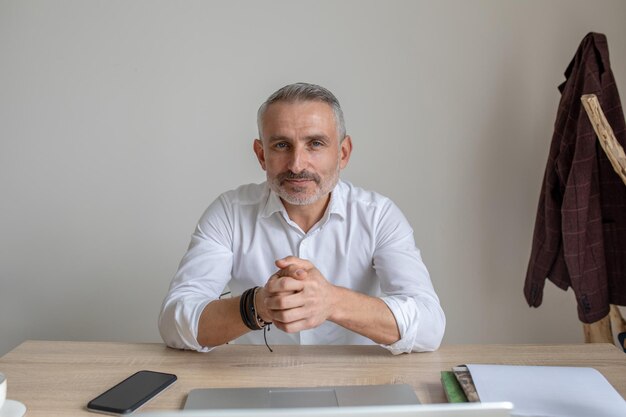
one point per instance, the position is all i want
(299, 115)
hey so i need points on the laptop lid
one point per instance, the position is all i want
(291, 397)
(414, 410)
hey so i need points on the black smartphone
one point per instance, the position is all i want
(130, 394)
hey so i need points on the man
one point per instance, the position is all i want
(323, 261)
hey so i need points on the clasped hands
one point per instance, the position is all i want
(297, 297)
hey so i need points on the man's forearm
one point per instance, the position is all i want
(368, 316)
(220, 322)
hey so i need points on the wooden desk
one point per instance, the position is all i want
(59, 378)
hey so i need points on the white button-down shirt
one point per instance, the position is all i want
(363, 242)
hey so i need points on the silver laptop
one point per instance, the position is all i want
(413, 410)
(282, 397)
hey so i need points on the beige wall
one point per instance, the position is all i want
(120, 122)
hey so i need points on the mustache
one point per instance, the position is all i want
(303, 175)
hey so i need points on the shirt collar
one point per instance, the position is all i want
(272, 203)
(337, 204)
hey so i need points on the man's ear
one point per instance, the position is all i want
(257, 146)
(346, 151)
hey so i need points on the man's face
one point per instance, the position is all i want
(301, 151)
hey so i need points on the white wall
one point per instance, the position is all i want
(121, 121)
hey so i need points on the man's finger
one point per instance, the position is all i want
(289, 316)
(283, 284)
(284, 301)
(294, 326)
(292, 271)
(292, 260)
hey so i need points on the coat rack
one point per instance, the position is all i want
(602, 331)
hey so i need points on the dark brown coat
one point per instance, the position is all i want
(580, 230)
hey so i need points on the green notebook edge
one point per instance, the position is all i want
(452, 388)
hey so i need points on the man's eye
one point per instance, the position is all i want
(281, 145)
(317, 144)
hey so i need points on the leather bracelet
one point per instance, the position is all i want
(259, 320)
(245, 310)
(248, 311)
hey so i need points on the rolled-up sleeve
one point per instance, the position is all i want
(406, 285)
(202, 275)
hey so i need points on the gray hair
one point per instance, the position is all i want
(304, 92)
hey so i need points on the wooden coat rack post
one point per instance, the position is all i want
(602, 330)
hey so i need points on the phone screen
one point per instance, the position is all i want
(131, 393)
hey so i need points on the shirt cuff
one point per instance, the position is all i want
(186, 321)
(407, 317)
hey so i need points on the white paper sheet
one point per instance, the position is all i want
(549, 391)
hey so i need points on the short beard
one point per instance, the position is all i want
(324, 187)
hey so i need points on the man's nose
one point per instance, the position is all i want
(298, 160)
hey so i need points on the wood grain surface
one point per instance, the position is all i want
(59, 378)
